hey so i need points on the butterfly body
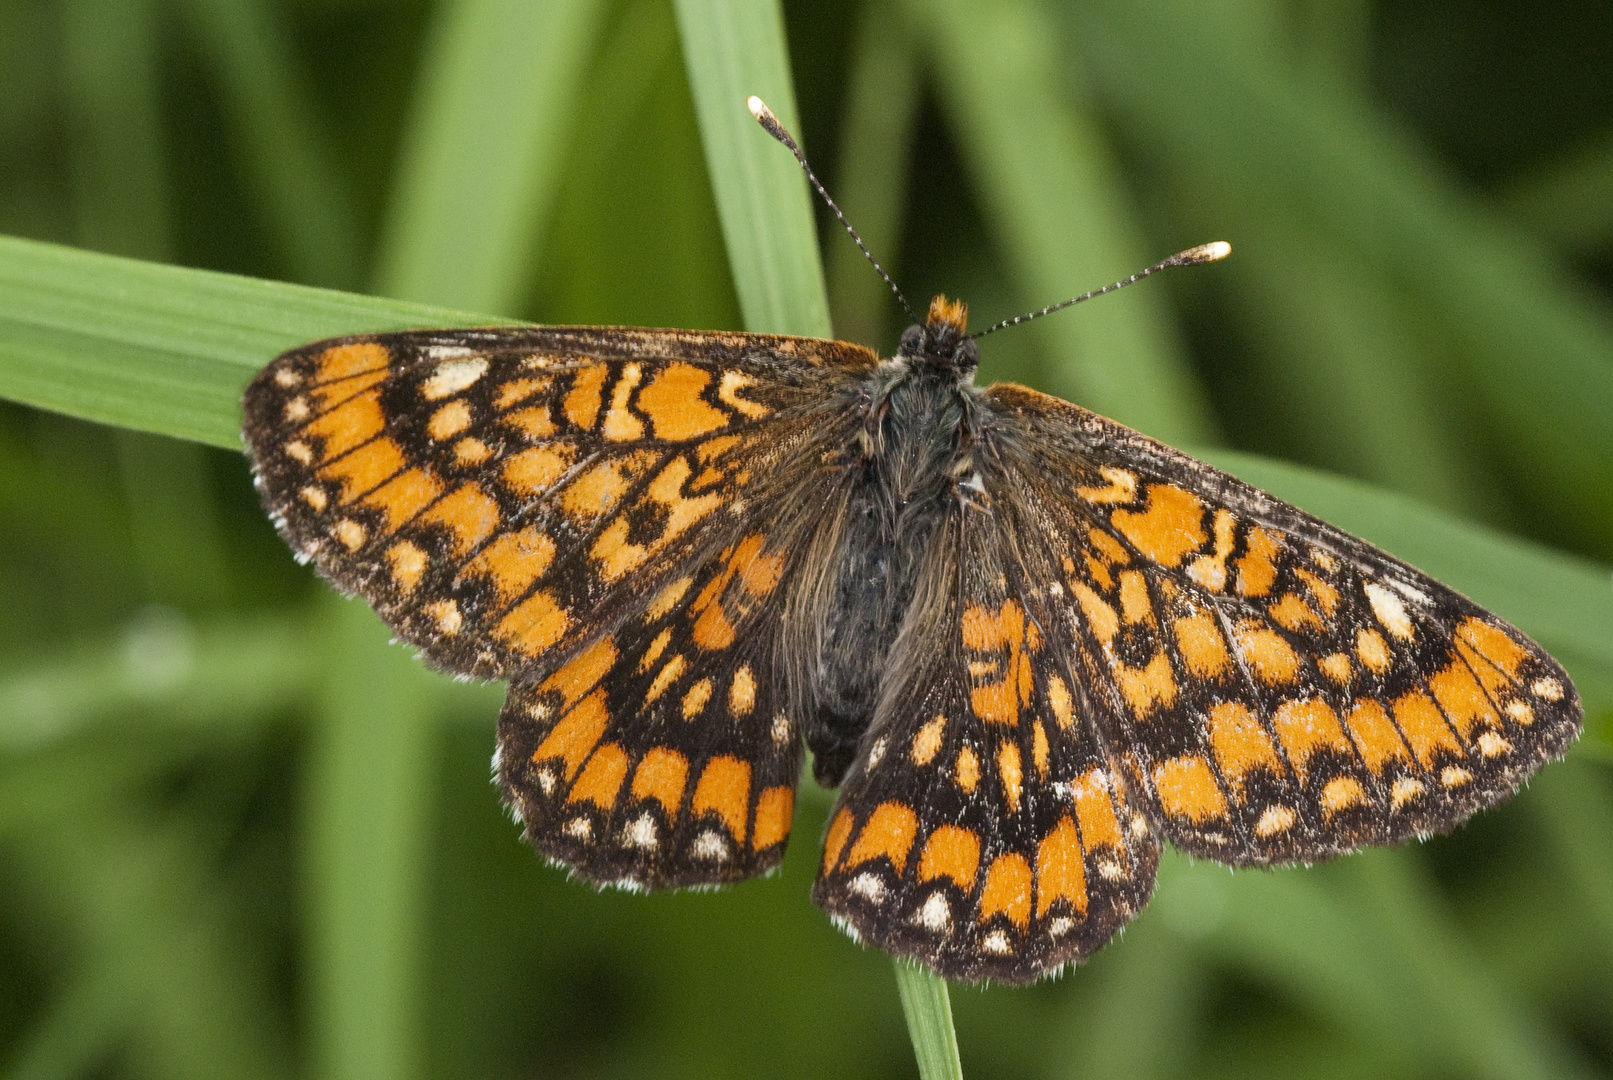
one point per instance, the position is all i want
(904, 464)
(1028, 644)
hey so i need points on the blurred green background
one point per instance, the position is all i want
(240, 835)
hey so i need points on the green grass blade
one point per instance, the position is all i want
(1357, 389)
(928, 1010)
(161, 348)
(1576, 820)
(483, 158)
(78, 1030)
(479, 174)
(1051, 186)
(367, 812)
(733, 49)
(1367, 946)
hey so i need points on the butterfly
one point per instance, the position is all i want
(1027, 644)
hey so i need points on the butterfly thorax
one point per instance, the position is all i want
(911, 464)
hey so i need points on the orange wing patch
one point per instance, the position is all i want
(1171, 527)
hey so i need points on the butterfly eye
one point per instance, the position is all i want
(912, 339)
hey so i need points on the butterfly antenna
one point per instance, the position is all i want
(765, 117)
(1204, 253)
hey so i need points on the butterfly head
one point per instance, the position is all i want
(941, 341)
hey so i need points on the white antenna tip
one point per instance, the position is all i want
(758, 108)
(1204, 253)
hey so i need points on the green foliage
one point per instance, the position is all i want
(240, 834)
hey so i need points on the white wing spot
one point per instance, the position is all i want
(579, 828)
(709, 846)
(447, 616)
(1275, 819)
(867, 886)
(1405, 789)
(935, 914)
(350, 533)
(1416, 596)
(1389, 610)
(287, 378)
(641, 832)
(781, 729)
(1550, 689)
(1454, 776)
(452, 377)
(997, 942)
(1492, 745)
(1060, 926)
(1520, 711)
(315, 497)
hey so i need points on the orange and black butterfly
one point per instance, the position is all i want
(1029, 645)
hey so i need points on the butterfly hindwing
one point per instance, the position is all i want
(658, 756)
(984, 829)
(1281, 690)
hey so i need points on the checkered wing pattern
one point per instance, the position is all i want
(495, 493)
(984, 828)
(1276, 690)
(658, 756)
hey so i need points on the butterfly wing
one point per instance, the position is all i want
(983, 828)
(1278, 691)
(584, 511)
(491, 492)
(659, 756)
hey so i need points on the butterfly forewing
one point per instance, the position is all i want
(1280, 691)
(493, 492)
